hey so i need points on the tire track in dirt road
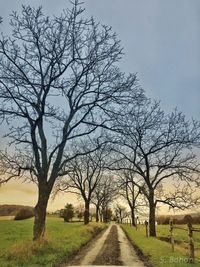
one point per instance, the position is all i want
(110, 252)
(111, 248)
(88, 254)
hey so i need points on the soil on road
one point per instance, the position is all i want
(110, 252)
(110, 248)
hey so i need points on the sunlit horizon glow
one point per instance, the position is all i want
(18, 193)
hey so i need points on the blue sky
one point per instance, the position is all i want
(161, 41)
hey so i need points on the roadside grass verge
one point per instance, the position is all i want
(180, 236)
(62, 240)
(158, 252)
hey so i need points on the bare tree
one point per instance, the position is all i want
(58, 81)
(130, 190)
(83, 175)
(158, 148)
(120, 212)
(104, 194)
(181, 196)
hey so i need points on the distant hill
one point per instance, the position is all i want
(11, 210)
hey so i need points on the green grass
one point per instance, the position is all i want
(62, 239)
(180, 235)
(159, 252)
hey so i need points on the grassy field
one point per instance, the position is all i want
(62, 240)
(159, 252)
(179, 235)
(181, 238)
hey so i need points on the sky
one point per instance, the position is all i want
(161, 41)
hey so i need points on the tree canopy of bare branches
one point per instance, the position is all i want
(59, 81)
(84, 174)
(130, 189)
(157, 147)
(104, 194)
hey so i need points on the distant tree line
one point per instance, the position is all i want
(185, 219)
(73, 213)
(12, 210)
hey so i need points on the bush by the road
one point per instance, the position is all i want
(24, 213)
(67, 213)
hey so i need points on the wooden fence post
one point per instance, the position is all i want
(146, 226)
(136, 224)
(171, 234)
(191, 243)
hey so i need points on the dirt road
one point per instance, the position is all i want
(111, 248)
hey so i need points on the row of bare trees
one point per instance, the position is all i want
(85, 176)
(74, 121)
(148, 150)
(59, 83)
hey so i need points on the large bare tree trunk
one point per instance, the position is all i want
(104, 214)
(133, 215)
(40, 215)
(152, 215)
(87, 212)
(101, 215)
(97, 213)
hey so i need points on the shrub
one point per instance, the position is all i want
(160, 219)
(187, 219)
(176, 221)
(24, 213)
(167, 220)
(67, 213)
(196, 220)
